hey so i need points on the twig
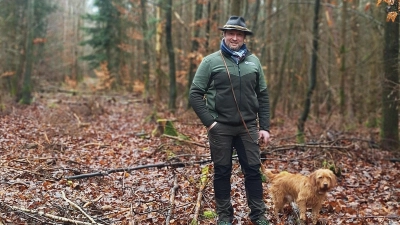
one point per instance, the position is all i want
(158, 165)
(172, 199)
(18, 182)
(203, 183)
(24, 171)
(316, 145)
(79, 208)
(366, 217)
(183, 140)
(96, 144)
(41, 213)
(80, 124)
(90, 202)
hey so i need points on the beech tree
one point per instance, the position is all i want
(171, 56)
(195, 43)
(390, 81)
(313, 75)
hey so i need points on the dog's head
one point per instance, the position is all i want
(323, 179)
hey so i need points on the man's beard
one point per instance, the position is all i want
(235, 48)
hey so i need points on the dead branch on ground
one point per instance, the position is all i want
(183, 140)
(79, 208)
(158, 165)
(47, 215)
(203, 184)
(172, 199)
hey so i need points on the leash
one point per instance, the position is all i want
(234, 97)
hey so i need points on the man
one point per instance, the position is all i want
(229, 95)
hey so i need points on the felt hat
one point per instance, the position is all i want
(236, 23)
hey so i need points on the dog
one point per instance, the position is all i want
(306, 191)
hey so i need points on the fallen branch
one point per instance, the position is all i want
(203, 183)
(158, 165)
(172, 199)
(292, 146)
(50, 216)
(183, 140)
(373, 217)
(90, 202)
(99, 145)
(77, 207)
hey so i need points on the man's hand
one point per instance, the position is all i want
(263, 137)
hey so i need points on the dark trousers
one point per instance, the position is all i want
(223, 138)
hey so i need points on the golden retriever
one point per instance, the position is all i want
(307, 191)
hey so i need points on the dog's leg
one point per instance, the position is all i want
(302, 208)
(277, 206)
(278, 201)
(315, 213)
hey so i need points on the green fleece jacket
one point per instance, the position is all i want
(211, 95)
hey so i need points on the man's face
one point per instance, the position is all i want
(234, 39)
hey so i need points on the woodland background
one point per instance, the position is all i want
(84, 84)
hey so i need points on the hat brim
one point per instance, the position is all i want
(234, 27)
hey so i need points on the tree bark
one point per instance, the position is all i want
(195, 45)
(281, 74)
(343, 72)
(146, 61)
(235, 7)
(171, 56)
(313, 75)
(158, 44)
(390, 91)
(26, 95)
(254, 22)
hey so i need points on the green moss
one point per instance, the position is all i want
(208, 214)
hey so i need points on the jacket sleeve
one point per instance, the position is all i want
(197, 93)
(263, 101)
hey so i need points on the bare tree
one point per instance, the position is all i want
(313, 75)
(235, 7)
(26, 95)
(343, 71)
(159, 72)
(146, 44)
(171, 56)
(195, 43)
(390, 91)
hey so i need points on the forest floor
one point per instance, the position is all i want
(44, 148)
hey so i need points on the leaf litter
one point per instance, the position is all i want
(42, 144)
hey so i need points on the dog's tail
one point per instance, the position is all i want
(267, 172)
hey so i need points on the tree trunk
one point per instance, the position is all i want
(343, 74)
(195, 45)
(146, 56)
(313, 76)
(235, 7)
(390, 91)
(254, 22)
(354, 105)
(281, 74)
(212, 16)
(171, 56)
(158, 44)
(26, 95)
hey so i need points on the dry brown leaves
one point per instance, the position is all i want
(43, 143)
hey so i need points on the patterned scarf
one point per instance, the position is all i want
(236, 55)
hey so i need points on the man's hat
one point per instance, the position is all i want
(236, 23)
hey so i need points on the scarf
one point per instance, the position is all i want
(235, 55)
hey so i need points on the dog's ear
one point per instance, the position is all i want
(313, 179)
